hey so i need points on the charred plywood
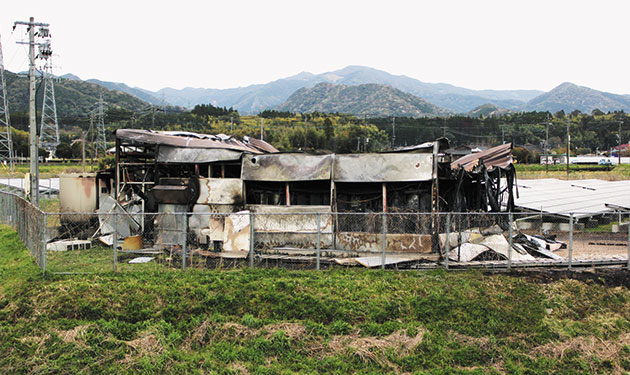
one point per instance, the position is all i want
(372, 242)
(395, 167)
(220, 191)
(286, 167)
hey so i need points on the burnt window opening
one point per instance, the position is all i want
(408, 197)
(305, 193)
(359, 197)
(265, 192)
(309, 193)
(223, 170)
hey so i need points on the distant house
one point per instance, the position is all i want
(459, 151)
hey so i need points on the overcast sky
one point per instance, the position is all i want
(481, 44)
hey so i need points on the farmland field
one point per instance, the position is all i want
(273, 321)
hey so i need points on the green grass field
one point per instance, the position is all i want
(533, 171)
(46, 170)
(286, 322)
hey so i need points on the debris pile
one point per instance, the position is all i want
(477, 244)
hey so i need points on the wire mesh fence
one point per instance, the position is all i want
(113, 239)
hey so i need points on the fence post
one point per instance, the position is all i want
(44, 242)
(629, 244)
(184, 240)
(383, 240)
(570, 240)
(251, 239)
(319, 234)
(115, 241)
(447, 242)
(510, 221)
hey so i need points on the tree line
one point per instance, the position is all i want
(344, 133)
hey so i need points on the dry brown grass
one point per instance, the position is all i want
(373, 349)
(74, 335)
(148, 344)
(589, 346)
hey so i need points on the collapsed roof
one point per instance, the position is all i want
(495, 157)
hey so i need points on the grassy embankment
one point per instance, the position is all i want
(278, 321)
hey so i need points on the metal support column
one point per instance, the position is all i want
(510, 222)
(448, 239)
(115, 241)
(570, 240)
(251, 239)
(184, 240)
(383, 240)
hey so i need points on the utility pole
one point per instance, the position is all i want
(33, 141)
(568, 143)
(619, 142)
(6, 145)
(393, 132)
(231, 125)
(502, 135)
(547, 147)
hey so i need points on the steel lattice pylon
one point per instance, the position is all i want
(6, 146)
(101, 143)
(49, 131)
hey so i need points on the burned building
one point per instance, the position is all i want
(349, 202)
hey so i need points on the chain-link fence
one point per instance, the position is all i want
(117, 238)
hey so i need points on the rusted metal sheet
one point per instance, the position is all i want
(371, 242)
(220, 191)
(499, 156)
(172, 154)
(286, 167)
(193, 140)
(395, 167)
(291, 219)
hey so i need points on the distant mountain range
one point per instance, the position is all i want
(285, 93)
(372, 100)
(255, 98)
(569, 97)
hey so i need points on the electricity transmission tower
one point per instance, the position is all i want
(6, 146)
(101, 143)
(49, 131)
